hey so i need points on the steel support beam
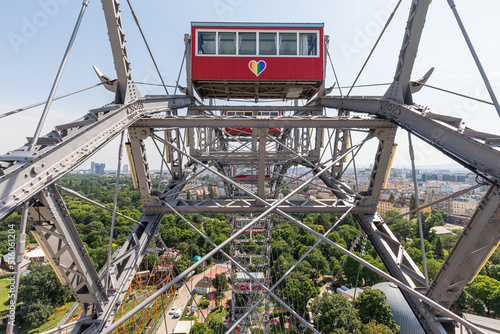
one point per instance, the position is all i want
(126, 90)
(400, 90)
(56, 233)
(477, 242)
(471, 153)
(125, 264)
(302, 121)
(395, 258)
(31, 173)
(140, 167)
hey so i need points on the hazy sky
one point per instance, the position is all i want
(34, 36)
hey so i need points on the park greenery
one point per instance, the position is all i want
(289, 244)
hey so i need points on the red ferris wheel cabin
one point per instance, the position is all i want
(257, 60)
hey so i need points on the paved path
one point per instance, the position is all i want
(181, 301)
(183, 297)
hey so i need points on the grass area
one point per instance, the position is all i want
(4, 294)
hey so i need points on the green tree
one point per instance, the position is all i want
(438, 249)
(324, 220)
(372, 304)
(42, 284)
(315, 259)
(402, 228)
(200, 328)
(220, 283)
(484, 288)
(494, 271)
(301, 288)
(413, 202)
(348, 233)
(495, 302)
(373, 327)
(42, 292)
(99, 256)
(479, 306)
(212, 194)
(391, 214)
(334, 314)
(461, 301)
(38, 312)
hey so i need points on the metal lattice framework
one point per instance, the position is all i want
(196, 142)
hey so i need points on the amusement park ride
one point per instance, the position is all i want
(250, 62)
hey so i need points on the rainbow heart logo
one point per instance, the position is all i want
(257, 67)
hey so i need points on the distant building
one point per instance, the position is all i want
(445, 206)
(203, 286)
(458, 220)
(433, 190)
(427, 177)
(8, 260)
(352, 293)
(36, 255)
(125, 168)
(97, 168)
(463, 205)
(453, 177)
(384, 206)
(440, 230)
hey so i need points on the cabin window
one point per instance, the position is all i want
(247, 42)
(263, 43)
(288, 44)
(206, 43)
(267, 43)
(307, 44)
(227, 43)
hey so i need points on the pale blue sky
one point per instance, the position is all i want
(34, 35)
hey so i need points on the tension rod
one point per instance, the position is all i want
(58, 77)
(475, 56)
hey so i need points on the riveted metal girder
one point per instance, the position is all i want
(469, 152)
(54, 229)
(400, 89)
(300, 121)
(30, 172)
